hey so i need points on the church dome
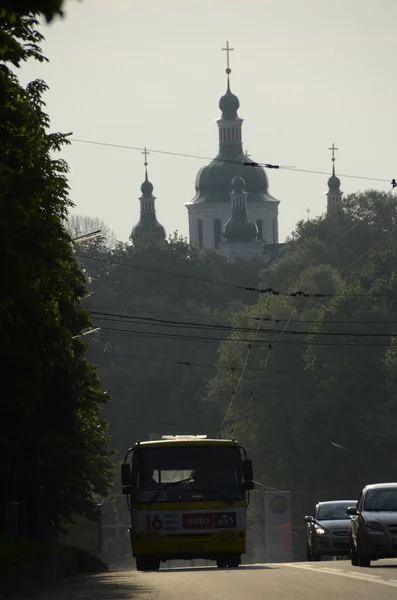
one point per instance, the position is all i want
(229, 105)
(147, 188)
(213, 180)
(334, 182)
(239, 228)
(149, 226)
(212, 184)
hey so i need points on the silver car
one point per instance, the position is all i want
(373, 527)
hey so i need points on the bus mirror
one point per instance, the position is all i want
(248, 473)
(126, 475)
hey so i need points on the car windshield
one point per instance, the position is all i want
(333, 512)
(384, 499)
(183, 473)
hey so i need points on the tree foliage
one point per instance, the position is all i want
(316, 400)
(162, 310)
(313, 403)
(54, 454)
(79, 225)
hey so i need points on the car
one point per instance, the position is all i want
(373, 524)
(327, 531)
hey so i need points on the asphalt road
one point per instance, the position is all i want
(333, 580)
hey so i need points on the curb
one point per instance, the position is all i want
(23, 579)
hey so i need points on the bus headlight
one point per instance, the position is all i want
(147, 537)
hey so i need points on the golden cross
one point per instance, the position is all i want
(227, 50)
(333, 151)
(145, 152)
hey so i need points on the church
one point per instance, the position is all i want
(232, 210)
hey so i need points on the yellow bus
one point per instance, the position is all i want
(187, 496)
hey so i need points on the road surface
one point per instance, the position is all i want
(333, 580)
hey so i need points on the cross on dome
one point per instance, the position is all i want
(228, 50)
(333, 149)
(145, 152)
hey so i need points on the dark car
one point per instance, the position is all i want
(328, 530)
(373, 525)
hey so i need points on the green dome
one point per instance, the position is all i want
(229, 105)
(213, 180)
(239, 228)
(149, 225)
(334, 183)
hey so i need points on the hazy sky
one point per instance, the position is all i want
(150, 73)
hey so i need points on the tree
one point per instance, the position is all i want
(306, 382)
(54, 443)
(78, 225)
(341, 239)
(162, 316)
(362, 368)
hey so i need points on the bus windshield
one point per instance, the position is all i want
(182, 473)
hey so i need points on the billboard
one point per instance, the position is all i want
(278, 527)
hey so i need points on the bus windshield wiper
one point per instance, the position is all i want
(169, 484)
(218, 494)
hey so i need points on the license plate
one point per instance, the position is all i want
(190, 547)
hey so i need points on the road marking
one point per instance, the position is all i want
(331, 570)
(361, 576)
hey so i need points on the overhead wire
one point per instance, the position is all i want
(393, 186)
(257, 290)
(102, 309)
(207, 366)
(271, 346)
(243, 163)
(235, 390)
(163, 384)
(294, 332)
(297, 294)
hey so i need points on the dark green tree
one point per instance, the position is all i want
(54, 454)
(162, 318)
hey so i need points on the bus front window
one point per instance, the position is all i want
(183, 473)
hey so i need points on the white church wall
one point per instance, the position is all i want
(208, 213)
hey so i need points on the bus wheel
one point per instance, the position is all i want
(234, 562)
(229, 561)
(147, 563)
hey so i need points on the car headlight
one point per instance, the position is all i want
(320, 531)
(373, 526)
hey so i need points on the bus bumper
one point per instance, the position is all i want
(185, 546)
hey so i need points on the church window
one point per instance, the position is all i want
(217, 233)
(274, 231)
(200, 233)
(260, 229)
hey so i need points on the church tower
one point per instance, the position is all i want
(240, 234)
(210, 208)
(334, 194)
(239, 228)
(147, 224)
